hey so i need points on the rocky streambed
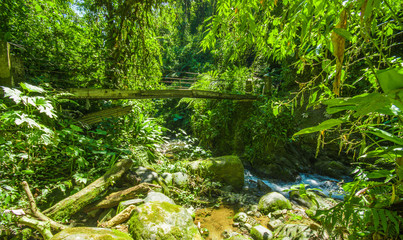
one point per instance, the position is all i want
(214, 198)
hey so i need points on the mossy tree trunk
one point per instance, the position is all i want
(78, 201)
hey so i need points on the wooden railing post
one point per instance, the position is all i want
(6, 78)
(267, 84)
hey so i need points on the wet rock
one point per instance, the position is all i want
(331, 168)
(241, 217)
(277, 171)
(296, 231)
(227, 169)
(162, 220)
(168, 178)
(180, 179)
(261, 233)
(87, 233)
(157, 196)
(147, 175)
(273, 201)
(263, 186)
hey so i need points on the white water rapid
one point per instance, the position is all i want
(329, 186)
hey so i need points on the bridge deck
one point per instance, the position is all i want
(86, 93)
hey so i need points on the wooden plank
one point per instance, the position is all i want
(86, 93)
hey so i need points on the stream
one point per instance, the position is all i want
(328, 186)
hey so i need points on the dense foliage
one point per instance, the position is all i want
(344, 55)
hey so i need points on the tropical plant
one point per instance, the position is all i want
(369, 209)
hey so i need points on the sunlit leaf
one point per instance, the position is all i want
(32, 88)
(322, 126)
(390, 79)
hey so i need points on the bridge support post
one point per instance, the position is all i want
(6, 78)
(267, 85)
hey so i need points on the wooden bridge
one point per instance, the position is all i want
(86, 93)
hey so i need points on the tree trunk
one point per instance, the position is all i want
(76, 202)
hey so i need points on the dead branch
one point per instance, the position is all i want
(121, 217)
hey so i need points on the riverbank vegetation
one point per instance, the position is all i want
(328, 76)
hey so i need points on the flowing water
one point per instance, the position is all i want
(328, 186)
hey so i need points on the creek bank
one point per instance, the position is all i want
(224, 211)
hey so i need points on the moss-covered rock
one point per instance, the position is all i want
(162, 220)
(273, 201)
(227, 169)
(87, 233)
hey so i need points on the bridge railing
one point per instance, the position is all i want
(186, 80)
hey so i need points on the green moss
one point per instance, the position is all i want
(92, 233)
(155, 213)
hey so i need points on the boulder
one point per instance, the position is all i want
(261, 233)
(273, 201)
(331, 168)
(227, 169)
(87, 233)
(240, 217)
(157, 196)
(277, 171)
(180, 179)
(162, 220)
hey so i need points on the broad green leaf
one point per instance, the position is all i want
(344, 33)
(376, 218)
(379, 174)
(390, 79)
(76, 128)
(28, 171)
(385, 135)
(32, 88)
(322, 126)
(384, 221)
(393, 219)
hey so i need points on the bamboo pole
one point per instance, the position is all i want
(85, 93)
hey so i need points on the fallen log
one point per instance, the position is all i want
(79, 200)
(43, 224)
(42, 227)
(35, 212)
(115, 198)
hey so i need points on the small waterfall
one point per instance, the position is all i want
(329, 186)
